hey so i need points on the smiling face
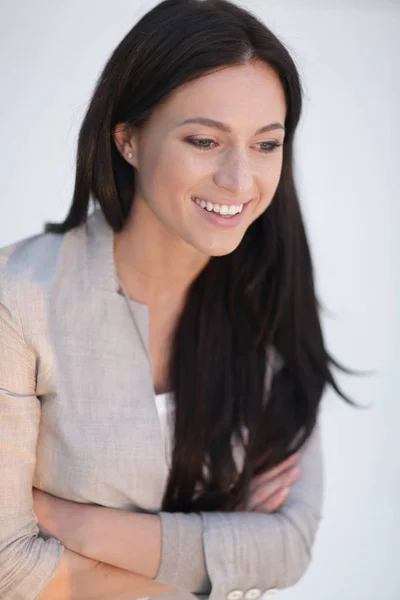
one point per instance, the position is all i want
(213, 145)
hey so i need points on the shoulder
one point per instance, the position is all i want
(32, 258)
(49, 269)
(34, 264)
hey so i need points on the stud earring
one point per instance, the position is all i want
(130, 154)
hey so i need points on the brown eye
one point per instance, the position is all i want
(201, 143)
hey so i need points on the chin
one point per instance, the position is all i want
(218, 248)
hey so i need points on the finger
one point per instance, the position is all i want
(271, 473)
(264, 491)
(273, 502)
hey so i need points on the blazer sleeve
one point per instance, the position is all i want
(27, 561)
(246, 554)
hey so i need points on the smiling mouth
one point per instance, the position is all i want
(224, 210)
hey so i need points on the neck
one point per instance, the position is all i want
(155, 265)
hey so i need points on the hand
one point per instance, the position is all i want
(270, 489)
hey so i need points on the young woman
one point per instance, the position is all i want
(162, 363)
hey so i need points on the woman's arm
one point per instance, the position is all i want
(106, 534)
(196, 547)
(127, 540)
(81, 578)
(250, 552)
(27, 561)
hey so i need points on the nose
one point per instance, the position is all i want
(234, 174)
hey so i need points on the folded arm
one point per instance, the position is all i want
(232, 550)
(81, 578)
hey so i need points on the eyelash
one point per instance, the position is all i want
(193, 141)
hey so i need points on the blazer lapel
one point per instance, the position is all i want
(105, 371)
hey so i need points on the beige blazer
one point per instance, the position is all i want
(78, 419)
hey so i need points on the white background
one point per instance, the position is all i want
(348, 53)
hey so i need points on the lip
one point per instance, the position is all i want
(216, 219)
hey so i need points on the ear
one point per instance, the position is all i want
(126, 140)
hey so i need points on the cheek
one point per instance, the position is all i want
(270, 179)
(173, 170)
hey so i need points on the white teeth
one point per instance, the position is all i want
(223, 209)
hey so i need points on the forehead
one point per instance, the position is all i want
(252, 92)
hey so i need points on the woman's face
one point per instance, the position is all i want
(218, 141)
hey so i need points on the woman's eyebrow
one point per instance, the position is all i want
(225, 128)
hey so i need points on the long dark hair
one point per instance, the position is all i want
(245, 308)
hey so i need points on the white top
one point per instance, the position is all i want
(165, 409)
